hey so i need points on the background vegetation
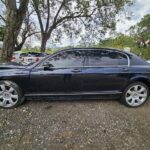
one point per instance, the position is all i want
(56, 18)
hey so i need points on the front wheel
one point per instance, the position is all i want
(136, 94)
(10, 94)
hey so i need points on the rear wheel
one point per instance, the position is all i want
(136, 94)
(10, 94)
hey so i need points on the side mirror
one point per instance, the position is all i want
(48, 66)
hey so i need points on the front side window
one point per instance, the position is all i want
(67, 59)
(105, 58)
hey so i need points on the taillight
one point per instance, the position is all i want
(13, 58)
(37, 59)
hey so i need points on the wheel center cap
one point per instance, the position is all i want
(6, 95)
(135, 95)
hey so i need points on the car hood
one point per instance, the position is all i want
(11, 65)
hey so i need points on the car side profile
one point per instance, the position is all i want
(80, 71)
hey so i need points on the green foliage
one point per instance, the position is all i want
(70, 17)
(141, 31)
(122, 41)
(49, 51)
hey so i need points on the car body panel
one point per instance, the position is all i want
(57, 80)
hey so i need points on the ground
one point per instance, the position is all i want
(75, 125)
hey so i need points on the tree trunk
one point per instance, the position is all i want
(10, 36)
(19, 47)
(14, 19)
(44, 42)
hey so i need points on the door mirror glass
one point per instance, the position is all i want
(47, 66)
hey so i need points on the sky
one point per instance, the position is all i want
(138, 10)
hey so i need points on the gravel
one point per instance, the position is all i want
(75, 125)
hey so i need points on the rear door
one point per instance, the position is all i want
(105, 70)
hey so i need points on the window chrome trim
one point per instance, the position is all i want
(83, 67)
(128, 59)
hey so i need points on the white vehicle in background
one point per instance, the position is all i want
(16, 57)
(32, 57)
(28, 58)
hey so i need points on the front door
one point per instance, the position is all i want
(64, 76)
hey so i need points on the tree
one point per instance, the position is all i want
(27, 30)
(141, 31)
(1, 33)
(15, 13)
(120, 41)
(94, 16)
(28, 27)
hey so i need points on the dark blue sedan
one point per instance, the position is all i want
(78, 72)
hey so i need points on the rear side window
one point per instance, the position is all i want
(135, 60)
(97, 58)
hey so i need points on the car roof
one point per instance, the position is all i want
(112, 49)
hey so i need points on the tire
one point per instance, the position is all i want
(135, 95)
(10, 94)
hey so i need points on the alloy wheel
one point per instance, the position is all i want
(136, 95)
(8, 96)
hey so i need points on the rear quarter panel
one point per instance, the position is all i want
(139, 73)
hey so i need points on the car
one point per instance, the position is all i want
(31, 57)
(27, 58)
(108, 73)
(16, 56)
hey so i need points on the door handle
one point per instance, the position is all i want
(76, 70)
(125, 69)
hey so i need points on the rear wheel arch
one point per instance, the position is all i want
(144, 80)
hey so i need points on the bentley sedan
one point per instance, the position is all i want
(78, 72)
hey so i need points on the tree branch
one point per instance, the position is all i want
(56, 16)
(2, 18)
(32, 34)
(72, 17)
(36, 4)
(48, 16)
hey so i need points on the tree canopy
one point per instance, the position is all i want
(92, 18)
(141, 31)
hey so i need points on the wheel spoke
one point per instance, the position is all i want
(129, 92)
(142, 95)
(133, 102)
(11, 101)
(136, 88)
(128, 98)
(14, 96)
(3, 87)
(139, 101)
(3, 103)
(142, 89)
(11, 90)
